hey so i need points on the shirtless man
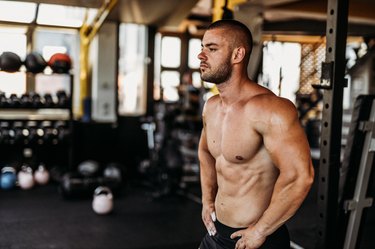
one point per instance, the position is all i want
(255, 160)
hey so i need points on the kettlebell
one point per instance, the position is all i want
(25, 177)
(8, 178)
(103, 200)
(41, 175)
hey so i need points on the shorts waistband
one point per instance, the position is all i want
(224, 230)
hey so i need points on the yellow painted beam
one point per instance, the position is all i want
(87, 33)
(218, 7)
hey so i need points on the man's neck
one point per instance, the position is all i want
(233, 90)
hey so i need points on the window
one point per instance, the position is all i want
(194, 50)
(13, 40)
(280, 75)
(167, 70)
(66, 16)
(13, 11)
(132, 69)
(170, 52)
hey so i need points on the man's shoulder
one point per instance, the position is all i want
(272, 104)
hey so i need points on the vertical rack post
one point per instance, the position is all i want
(333, 82)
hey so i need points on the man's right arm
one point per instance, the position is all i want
(208, 182)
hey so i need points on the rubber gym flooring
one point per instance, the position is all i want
(41, 219)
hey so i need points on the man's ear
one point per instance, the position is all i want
(238, 54)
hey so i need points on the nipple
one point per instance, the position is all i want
(239, 157)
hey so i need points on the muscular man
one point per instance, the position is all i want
(255, 160)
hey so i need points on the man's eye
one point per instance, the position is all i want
(212, 49)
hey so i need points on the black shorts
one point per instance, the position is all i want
(221, 240)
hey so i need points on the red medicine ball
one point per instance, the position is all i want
(60, 63)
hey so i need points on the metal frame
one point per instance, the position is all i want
(360, 201)
(336, 30)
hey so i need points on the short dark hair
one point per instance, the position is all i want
(238, 27)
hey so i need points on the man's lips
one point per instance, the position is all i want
(203, 66)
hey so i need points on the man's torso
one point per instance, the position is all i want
(245, 172)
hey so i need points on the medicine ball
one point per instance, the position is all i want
(10, 62)
(35, 63)
(60, 63)
(8, 178)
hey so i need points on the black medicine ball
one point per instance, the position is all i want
(35, 63)
(10, 62)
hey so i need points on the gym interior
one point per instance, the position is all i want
(100, 117)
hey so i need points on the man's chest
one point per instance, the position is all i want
(233, 137)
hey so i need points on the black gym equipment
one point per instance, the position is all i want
(35, 63)
(74, 185)
(62, 99)
(48, 100)
(356, 173)
(88, 168)
(36, 100)
(14, 101)
(3, 100)
(50, 133)
(25, 100)
(60, 63)
(10, 62)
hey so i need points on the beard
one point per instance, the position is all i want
(219, 75)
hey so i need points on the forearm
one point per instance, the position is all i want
(287, 197)
(209, 187)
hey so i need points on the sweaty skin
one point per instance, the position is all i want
(255, 160)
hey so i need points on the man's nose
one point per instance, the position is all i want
(201, 56)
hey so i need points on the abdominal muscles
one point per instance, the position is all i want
(244, 189)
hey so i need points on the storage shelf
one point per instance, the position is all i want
(38, 114)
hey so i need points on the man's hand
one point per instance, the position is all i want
(208, 217)
(250, 239)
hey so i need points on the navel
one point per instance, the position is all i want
(239, 158)
(213, 141)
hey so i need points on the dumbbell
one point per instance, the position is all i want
(3, 132)
(48, 100)
(3, 100)
(14, 101)
(63, 131)
(36, 100)
(36, 133)
(50, 133)
(25, 100)
(7, 133)
(62, 99)
(21, 135)
(73, 185)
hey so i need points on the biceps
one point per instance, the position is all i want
(204, 154)
(288, 148)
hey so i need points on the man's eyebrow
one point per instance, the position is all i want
(209, 44)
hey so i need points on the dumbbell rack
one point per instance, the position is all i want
(37, 134)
